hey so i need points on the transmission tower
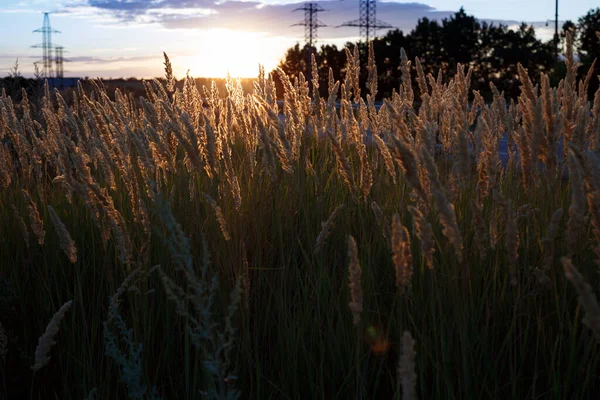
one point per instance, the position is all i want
(46, 46)
(367, 21)
(311, 22)
(60, 71)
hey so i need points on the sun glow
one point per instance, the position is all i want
(221, 51)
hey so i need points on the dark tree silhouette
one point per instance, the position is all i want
(493, 51)
(589, 46)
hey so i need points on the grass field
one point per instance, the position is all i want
(175, 248)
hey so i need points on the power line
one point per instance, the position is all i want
(367, 21)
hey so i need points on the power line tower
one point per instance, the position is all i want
(311, 22)
(46, 31)
(60, 71)
(367, 21)
(556, 39)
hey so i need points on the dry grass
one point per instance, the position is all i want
(228, 198)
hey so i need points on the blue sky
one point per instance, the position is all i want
(123, 38)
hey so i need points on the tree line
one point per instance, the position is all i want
(492, 50)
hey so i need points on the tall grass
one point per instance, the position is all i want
(213, 249)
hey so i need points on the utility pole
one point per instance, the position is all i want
(46, 31)
(60, 71)
(367, 21)
(311, 25)
(311, 22)
(556, 31)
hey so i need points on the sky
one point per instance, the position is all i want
(210, 38)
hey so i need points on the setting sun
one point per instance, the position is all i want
(220, 51)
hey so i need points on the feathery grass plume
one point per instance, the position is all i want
(512, 241)
(568, 93)
(587, 298)
(115, 300)
(46, 341)
(115, 220)
(353, 72)
(3, 342)
(551, 119)
(444, 207)
(326, 229)
(548, 247)
(343, 164)
(594, 126)
(5, 167)
(406, 87)
(406, 158)
(366, 173)
(37, 224)
(189, 143)
(425, 235)
(387, 157)
(578, 200)
(129, 361)
(461, 142)
(483, 178)
(372, 69)
(218, 214)
(267, 146)
(22, 225)
(354, 277)
(314, 72)
(406, 368)
(383, 223)
(211, 147)
(67, 244)
(197, 304)
(422, 81)
(169, 74)
(401, 254)
(231, 178)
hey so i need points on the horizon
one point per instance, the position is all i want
(123, 39)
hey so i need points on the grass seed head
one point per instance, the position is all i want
(46, 341)
(354, 274)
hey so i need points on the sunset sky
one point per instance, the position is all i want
(126, 38)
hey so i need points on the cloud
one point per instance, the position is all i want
(269, 17)
(110, 60)
(273, 19)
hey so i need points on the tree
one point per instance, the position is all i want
(493, 51)
(295, 61)
(589, 46)
(426, 43)
(460, 39)
(506, 49)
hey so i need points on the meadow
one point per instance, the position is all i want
(195, 244)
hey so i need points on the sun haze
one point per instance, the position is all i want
(235, 52)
